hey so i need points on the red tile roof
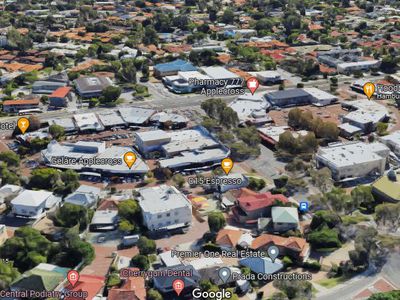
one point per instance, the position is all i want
(21, 102)
(228, 237)
(61, 92)
(87, 283)
(132, 289)
(249, 200)
(294, 243)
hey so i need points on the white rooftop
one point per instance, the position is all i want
(275, 131)
(136, 115)
(88, 121)
(161, 198)
(31, 198)
(192, 157)
(348, 154)
(110, 118)
(367, 111)
(219, 73)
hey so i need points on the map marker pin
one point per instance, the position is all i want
(369, 89)
(178, 285)
(129, 159)
(73, 277)
(252, 84)
(273, 252)
(23, 124)
(224, 273)
(227, 165)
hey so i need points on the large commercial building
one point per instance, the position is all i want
(92, 157)
(295, 97)
(14, 106)
(164, 208)
(192, 148)
(172, 68)
(364, 114)
(392, 141)
(353, 160)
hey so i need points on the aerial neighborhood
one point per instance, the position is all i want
(194, 149)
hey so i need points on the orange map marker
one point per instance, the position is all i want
(23, 124)
(129, 159)
(369, 89)
(227, 165)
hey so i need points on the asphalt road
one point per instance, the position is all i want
(349, 289)
(163, 99)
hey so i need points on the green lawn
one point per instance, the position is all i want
(389, 241)
(331, 282)
(349, 220)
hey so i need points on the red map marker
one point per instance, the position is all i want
(178, 285)
(252, 84)
(73, 277)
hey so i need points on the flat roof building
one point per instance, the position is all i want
(291, 97)
(392, 141)
(88, 122)
(136, 115)
(353, 160)
(164, 208)
(92, 157)
(110, 119)
(365, 114)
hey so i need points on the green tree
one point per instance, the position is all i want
(126, 226)
(10, 158)
(27, 248)
(110, 94)
(128, 71)
(56, 131)
(129, 210)
(294, 289)
(7, 274)
(70, 215)
(44, 178)
(228, 16)
(146, 246)
(322, 179)
(216, 221)
(153, 294)
(392, 295)
(141, 262)
(150, 35)
(362, 196)
(179, 180)
(387, 216)
(324, 239)
(381, 128)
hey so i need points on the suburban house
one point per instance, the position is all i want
(44, 277)
(296, 248)
(85, 195)
(89, 87)
(9, 191)
(3, 234)
(284, 218)
(228, 239)
(261, 265)
(250, 206)
(60, 97)
(164, 283)
(14, 106)
(132, 288)
(104, 220)
(387, 188)
(46, 87)
(164, 208)
(33, 204)
(92, 284)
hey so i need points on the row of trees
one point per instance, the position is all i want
(28, 248)
(305, 120)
